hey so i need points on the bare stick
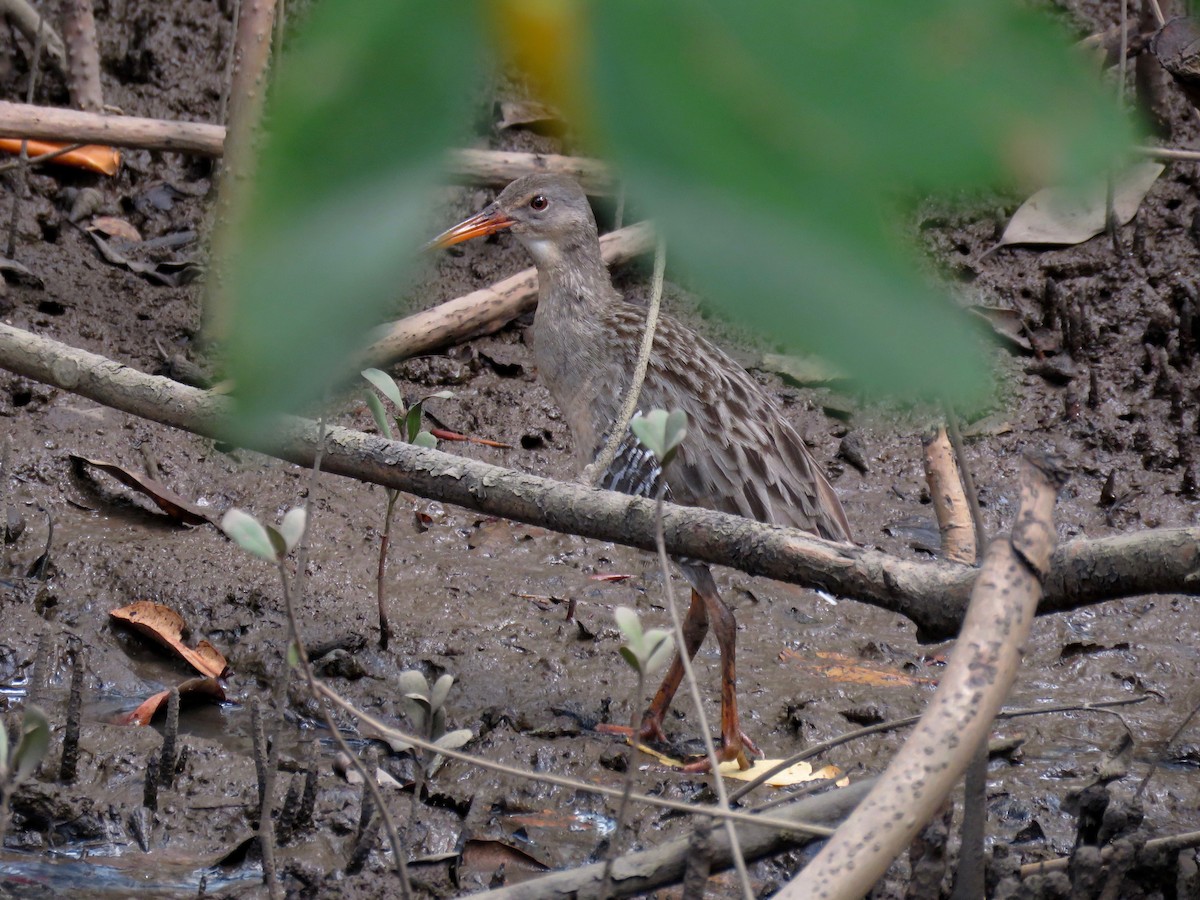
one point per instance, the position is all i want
(486, 310)
(977, 678)
(499, 167)
(932, 595)
(596, 469)
(83, 55)
(27, 21)
(949, 499)
(47, 123)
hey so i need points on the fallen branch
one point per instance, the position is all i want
(933, 595)
(48, 123)
(486, 310)
(977, 678)
(499, 167)
(638, 873)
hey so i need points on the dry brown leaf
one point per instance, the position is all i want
(1006, 323)
(164, 498)
(846, 669)
(193, 687)
(1057, 215)
(166, 626)
(114, 227)
(483, 857)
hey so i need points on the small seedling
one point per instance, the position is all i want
(408, 423)
(661, 432)
(265, 541)
(26, 756)
(645, 651)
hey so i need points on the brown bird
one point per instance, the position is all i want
(740, 456)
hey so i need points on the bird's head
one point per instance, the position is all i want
(549, 214)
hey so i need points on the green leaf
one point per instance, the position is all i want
(365, 102)
(628, 624)
(426, 440)
(249, 534)
(441, 690)
(295, 520)
(661, 432)
(379, 414)
(3, 752)
(630, 657)
(413, 682)
(278, 543)
(817, 121)
(660, 645)
(34, 743)
(386, 385)
(293, 655)
(412, 422)
(452, 740)
(440, 395)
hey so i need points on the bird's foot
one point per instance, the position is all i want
(740, 750)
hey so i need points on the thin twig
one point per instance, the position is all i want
(596, 469)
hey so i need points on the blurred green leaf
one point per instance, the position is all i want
(293, 655)
(386, 385)
(425, 439)
(628, 623)
(660, 645)
(34, 743)
(248, 533)
(771, 142)
(3, 752)
(364, 105)
(661, 432)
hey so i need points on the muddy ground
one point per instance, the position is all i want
(486, 600)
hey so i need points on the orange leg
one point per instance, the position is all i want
(695, 627)
(734, 743)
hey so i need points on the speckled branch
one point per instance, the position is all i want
(83, 55)
(932, 595)
(949, 499)
(978, 676)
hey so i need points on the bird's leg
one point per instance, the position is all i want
(695, 627)
(734, 742)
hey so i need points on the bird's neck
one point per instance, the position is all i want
(572, 274)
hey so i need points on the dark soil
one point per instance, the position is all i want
(487, 601)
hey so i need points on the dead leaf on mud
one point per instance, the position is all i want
(172, 272)
(1058, 215)
(483, 857)
(848, 670)
(1006, 323)
(167, 500)
(13, 271)
(166, 626)
(193, 688)
(111, 226)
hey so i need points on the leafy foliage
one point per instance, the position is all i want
(771, 143)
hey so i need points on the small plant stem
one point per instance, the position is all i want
(735, 847)
(626, 790)
(385, 630)
(319, 691)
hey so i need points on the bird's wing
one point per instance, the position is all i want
(740, 456)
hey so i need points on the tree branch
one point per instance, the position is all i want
(933, 595)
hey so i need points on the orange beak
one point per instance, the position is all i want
(489, 221)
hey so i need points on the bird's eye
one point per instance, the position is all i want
(538, 203)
